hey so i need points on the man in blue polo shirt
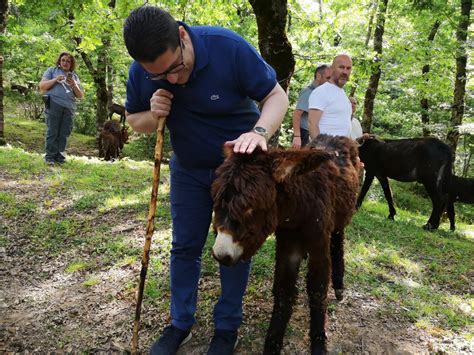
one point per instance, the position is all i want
(205, 80)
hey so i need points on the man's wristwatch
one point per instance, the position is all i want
(261, 131)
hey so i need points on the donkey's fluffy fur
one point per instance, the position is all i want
(112, 139)
(306, 197)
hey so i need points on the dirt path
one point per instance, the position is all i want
(45, 309)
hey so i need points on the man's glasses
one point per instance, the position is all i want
(173, 70)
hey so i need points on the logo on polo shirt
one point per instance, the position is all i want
(214, 97)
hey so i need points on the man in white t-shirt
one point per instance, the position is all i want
(329, 107)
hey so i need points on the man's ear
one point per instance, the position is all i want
(287, 164)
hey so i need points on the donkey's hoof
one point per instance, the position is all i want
(429, 227)
(339, 294)
(318, 345)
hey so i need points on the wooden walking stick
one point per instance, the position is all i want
(150, 228)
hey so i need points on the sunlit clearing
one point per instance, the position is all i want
(468, 232)
(393, 257)
(460, 304)
(128, 163)
(133, 199)
(162, 239)
(85, 159)
(163, 235)
(429, 327)
(118, 201)
(408, 283)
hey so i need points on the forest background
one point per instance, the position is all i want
(411, 69)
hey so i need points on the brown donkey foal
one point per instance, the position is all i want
(112, 138)
(306, 197)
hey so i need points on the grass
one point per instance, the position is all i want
(76, 266)
(91, 282)
(419, 272)
(422, 274)
(78, 211)
(29, 134)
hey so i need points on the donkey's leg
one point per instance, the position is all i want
(438, 200)
(319, 266)
(101, 148)
(451, 213)
(289, 253)
(388, 196)
(365, 187)
(337, 257)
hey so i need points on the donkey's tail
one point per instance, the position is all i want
(446, 173)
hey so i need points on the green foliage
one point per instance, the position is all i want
(143, 147)
(84, 120)
(37, 32)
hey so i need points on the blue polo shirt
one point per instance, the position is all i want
(217, 103)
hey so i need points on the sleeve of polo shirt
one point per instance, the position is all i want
(302, 103)
(48, 74)
(135, 102)
(255, 76)
(318, 99)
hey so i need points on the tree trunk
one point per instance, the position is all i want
(274, 45)
(3, 26)
(100, 82)
(110, 85)
(99, 75)
(425, 118)
(320, 37)
(377, 70)
(460, 82)
(372, 5)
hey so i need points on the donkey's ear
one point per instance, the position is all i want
(287, 164)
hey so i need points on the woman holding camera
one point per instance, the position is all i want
(62, 88)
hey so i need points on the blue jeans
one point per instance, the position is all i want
(191, 211)
(59, 121)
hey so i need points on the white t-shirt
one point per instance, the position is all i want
(336, 108)
(356, 130)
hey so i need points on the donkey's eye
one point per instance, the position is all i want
(233, 224)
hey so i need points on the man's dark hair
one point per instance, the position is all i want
(320, 69)
(149, 32)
